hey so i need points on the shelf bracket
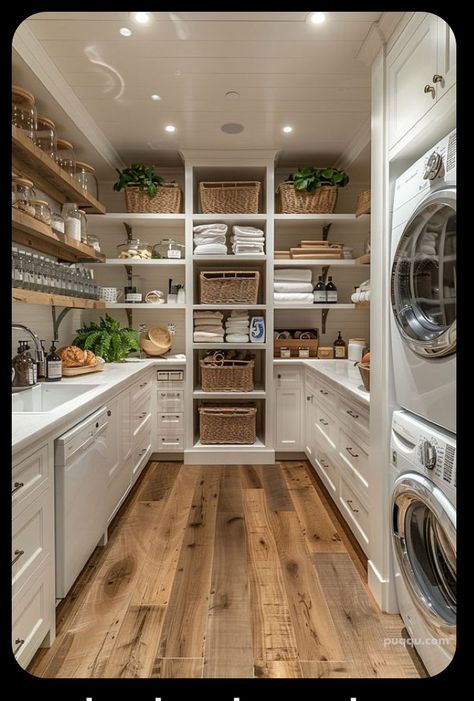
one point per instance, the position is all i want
(130, 317)
(324, 272)
(128, 229)
(58, 319)
(326, 229)
(324, 316)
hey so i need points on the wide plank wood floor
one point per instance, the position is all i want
(236, 571)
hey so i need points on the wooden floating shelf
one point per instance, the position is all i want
(115, 220)
(36, 297)
(31, 162)
(363, 260)
(31, 232)
(142, 305)
(224, 307)
(314, 306)
(138, 261)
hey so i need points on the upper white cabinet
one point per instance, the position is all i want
(421, 69)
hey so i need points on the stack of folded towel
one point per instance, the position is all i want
(292, 286)
(209, 240)
(247, 240)
(237, 327)
(208, 327)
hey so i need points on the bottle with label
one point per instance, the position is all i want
(339, 347)
(33, 362)
(319, 293)
(23, 366)
(54, 365)
(41, 364)
(331, 291)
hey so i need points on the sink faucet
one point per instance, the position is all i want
(36, 341)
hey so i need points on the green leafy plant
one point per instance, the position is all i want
(139, 175)
(107, 339)
(310, 179)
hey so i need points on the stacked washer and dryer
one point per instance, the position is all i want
(423, 439)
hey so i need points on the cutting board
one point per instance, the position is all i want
(83, 370)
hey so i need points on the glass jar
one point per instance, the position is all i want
(135, 248)
(94, 242)
(23, 194)
(72, 221)
(83, 226)
(16, 269)
(42, 211)
(45, 136)
(86, 177)
(168, 248)
(66, 158)
(57, 222)
(24, 111)
(28, 271)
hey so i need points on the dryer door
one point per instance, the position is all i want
(424, 535)
(423, 286)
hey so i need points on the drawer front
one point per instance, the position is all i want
(170, 379)
(356, 418)
(170, 400)
(29, 478)
(140, 412)
(327, 470)
(310, 381)
(356, 462)
(327, 428)
(170, 421)
(142, 447)
(169, 441)
(355, 513)
(327, 397)
(287, 377)
(32, 536)
(33, 617)
(141, 389)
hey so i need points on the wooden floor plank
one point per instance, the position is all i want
(317, 528)
(276, 491)
(230, 490)
(336, 669)
(278, 669)
(160, 481)
(296, 475)
(178, 668)
(250, 477)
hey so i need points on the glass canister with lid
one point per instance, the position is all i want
(94, 242)
(24, 111)
(168, 248)
(72, 221)
(45, 136)
(42, 211)
(23, 194)
(57, 222)
(66, 158)
(86, 177)
(134, 248)
(83, 226)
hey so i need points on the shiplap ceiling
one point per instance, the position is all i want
(287, 71)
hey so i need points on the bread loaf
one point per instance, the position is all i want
(72, 356)
(90, 358)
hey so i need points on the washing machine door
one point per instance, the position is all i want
(423, 285)
(424, 536)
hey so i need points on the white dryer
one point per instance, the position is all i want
(423, 286)
(423, 520)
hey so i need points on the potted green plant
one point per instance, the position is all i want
(107, 339)
(145, 191)
(311, 190)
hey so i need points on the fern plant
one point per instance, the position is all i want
(310, 179)
(107, 339)
(139, 175)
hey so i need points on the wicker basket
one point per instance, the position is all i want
(226, 424)
(240, 197)
(166, 201)
(292, 201)
(363, 203)
(364, 370)
(227, 376)
(229, 287)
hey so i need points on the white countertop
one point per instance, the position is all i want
(29, 427)
(338, 372)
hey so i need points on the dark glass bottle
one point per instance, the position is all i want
(340, 347)
(54, 365)
(23, 366)
(320, 291)
(33, 362)
(331, 291)
(42, 363)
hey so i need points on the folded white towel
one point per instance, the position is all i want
(207, 337)
(293, 286)
(292, 274)
(211, 249)
(239, 248)
(295, 297)
(202, 240)
(206, 227)
(247, 239)
(237, 338)
(247, 231)
(208, 314)
(244, 328)
(239, 314)
(210, 329)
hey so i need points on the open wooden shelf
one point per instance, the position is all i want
(31, 232)
(363, 260)
(144, 261)
(36, 297)
(31, 162)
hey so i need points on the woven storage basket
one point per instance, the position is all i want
(229, 376)
(365, 374)
(166, 201)
(229, 287)
(230, 197)
(225, 424)
(292, 201)
(363, 203)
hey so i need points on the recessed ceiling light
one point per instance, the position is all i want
(170, 127)
(141, 17)
(155, 97)
(232, 128)
(287, 130)
(317, 17)
(232, 93)
(125, 32)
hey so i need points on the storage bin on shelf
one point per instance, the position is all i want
(229, 287)
(227, 375)
(363, 203)
(293, 201)
(230, 197)
(228, 424)
(294, 345)
(364, 370)
(166, 201)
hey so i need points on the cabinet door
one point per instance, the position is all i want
(446, 58)
(119, 472)
(288, 424)
(309, 439)
(125, 426)
(411, 66)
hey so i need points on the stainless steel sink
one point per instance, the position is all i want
(45, 397)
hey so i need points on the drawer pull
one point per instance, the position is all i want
(142, 451)
(17, 486)
(324, 464)
(18, 642)
(109, 413)
(354, 455)
(142, 415)
(349, 501)
(323, 422)
(322, 391)
(351, 413)
(143, 384)
(18, 554)
(279, 377)
(309, 398)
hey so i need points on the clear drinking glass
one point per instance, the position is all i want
(24, 111)
(45, 136)
(66, 157)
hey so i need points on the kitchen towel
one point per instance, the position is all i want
(210, 249)
(214, 226)
(208, 314)
(295, 297)
(208, 337)
(293, 286)
(292, 274)
(237, 338)
(211, 329)
(247, 231)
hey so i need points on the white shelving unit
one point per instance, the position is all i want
(257, 393)
(226, 307)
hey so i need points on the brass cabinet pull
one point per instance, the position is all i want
(351, 413)
(438, 78)
(18, 554)
(19, 642)
(429, 89)
(349, 501)
(143, 384)
(17, 486)
(323, 422)
(323, 392)
(354, 455)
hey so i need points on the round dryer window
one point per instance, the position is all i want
(423, 285)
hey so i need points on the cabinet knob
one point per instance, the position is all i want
(109, 413)
(279, 377)
(309, 398)
(19, 642)
(438, 78)
(429, 89)
(18, 554)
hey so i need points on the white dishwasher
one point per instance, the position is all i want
(81, 470)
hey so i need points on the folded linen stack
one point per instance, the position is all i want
(247, 240)
(292, 286)
(209, 240)
(237, 327)
(208, 327)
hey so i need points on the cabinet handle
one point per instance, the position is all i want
(354, 455)
(142, 451)
(323, 422)
(109, 413)
(18, 642)
(144, 384)
(17, 486)
(279, 377)
(349, 501)
(324, 464)
(438, 78)
(309, 398)
(351, 413)
(429, 89)
(142, 415)
(18, 554)
(323, 392)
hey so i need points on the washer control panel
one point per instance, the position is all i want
(432, 166)
(437, 458)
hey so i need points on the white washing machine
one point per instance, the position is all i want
(423, 520)
(423, 286)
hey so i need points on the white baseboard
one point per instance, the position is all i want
(382, 589)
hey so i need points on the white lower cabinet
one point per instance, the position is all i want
(289, 424)
(120, 448)
(169, 436)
